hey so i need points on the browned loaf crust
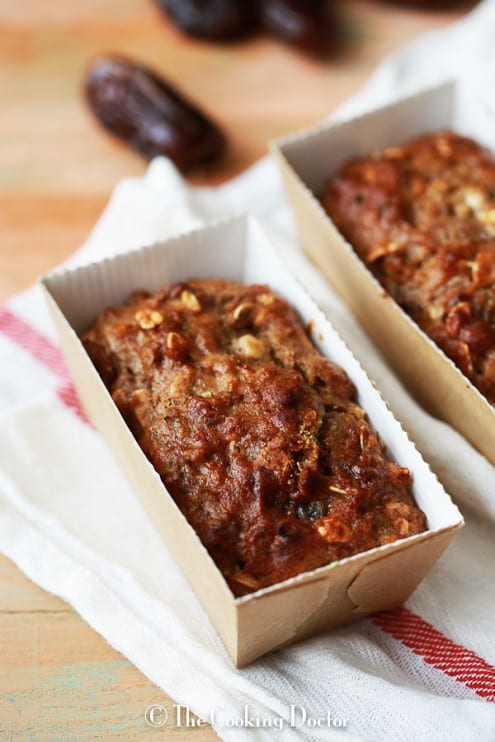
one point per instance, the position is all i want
(422, 217)
(257, 436)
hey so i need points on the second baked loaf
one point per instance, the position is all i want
(422, 217)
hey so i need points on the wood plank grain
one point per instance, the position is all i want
(39, 232)
(61, 682)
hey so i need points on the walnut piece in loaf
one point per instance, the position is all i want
(257, 436)
(422, 217)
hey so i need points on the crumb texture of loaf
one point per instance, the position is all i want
(422, 217)
(257, 436)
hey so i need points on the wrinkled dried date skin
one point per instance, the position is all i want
(307, 24)
(217, 20)
(137, 105)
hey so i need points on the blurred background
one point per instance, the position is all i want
(58, 167)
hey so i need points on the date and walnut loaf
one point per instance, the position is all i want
(256, 435)
(422, 217)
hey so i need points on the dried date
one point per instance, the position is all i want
(217, 20)
(137, 105)
(307, 24)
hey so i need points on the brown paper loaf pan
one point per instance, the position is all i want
(276, 616)
(307, 160)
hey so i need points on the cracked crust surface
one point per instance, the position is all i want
(256, 435)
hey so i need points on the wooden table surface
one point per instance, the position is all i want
(59, 680)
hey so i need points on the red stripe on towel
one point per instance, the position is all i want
(27, 337)
(47, 353)
(68, 395)
(439, 651)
